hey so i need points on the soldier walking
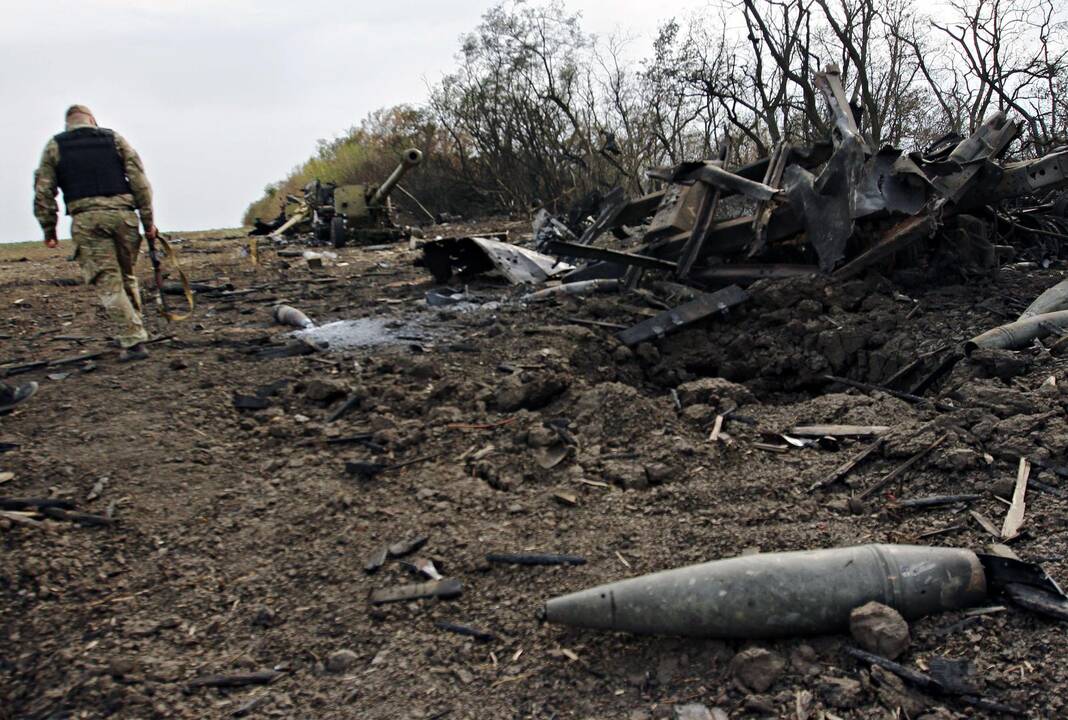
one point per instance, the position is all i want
(103, 183)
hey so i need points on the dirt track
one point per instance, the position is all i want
(240, 540)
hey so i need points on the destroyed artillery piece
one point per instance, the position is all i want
(358, 214)
(836, 208)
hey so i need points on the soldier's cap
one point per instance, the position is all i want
(78, 110)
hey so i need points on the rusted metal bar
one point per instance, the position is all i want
(897, 238)
(772, 178)
(745, 273)
(692, 249)
(617, 257)
(671, 320)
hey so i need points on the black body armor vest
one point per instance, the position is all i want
(90, 164)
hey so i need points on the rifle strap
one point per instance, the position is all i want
(172, 256)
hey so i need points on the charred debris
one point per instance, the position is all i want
(834, 208)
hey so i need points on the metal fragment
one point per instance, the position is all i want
(671, 320)
(442, 589)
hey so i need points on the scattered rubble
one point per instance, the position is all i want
(757, 668)
(822, 348)
(879, 629)
(341, 661)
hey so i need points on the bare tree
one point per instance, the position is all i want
(1001, 55)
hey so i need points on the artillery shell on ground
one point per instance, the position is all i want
(779, 594)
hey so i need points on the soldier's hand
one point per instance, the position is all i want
(151, 233)
(51, 241)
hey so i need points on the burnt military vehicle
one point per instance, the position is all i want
(360, 214)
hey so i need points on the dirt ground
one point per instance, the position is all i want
(240, 540)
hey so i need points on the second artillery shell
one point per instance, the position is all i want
(779, 594)
(287, 315)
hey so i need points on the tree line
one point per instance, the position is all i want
(540, 113)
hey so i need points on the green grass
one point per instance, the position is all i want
(34, 250)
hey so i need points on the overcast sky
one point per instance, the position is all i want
(221, 97)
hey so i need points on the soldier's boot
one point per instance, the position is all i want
(12, 395)
(134, 352)
(122, 313)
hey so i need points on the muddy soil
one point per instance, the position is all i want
(240, 540)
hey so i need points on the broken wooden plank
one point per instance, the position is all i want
(1002, 551)
(985, 523)
(14, 503)
(671, 320)
(10, 370)
(443, 589)
(717, 429)
(479, 635)
(840, 473)
(838, 430)
(902, 468)
(936, 501)
(940, 531)
(77, 517)
(345, 408)
(566, 499)
(908, 397)
(261, 677)
(407, 547)
(596, 323)
(1015, 516)
(535, 559)
(21, 518)
(923, 682)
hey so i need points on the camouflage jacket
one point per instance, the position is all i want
(46, 188)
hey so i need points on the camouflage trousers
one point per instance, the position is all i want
(106, 244)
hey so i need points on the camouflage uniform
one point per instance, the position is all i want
(105, 234)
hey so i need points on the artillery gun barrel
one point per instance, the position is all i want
(296, 219)
(410, 159)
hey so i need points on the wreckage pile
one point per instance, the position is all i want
(394, 514)
(836, 208)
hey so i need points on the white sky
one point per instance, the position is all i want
(221, 97)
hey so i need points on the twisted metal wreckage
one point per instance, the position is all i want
(862, 207)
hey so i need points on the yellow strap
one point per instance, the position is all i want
(172, 255)
(253, 249)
